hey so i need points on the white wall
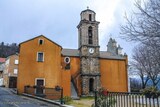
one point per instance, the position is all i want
(1, 81)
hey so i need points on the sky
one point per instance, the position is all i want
(21, 20)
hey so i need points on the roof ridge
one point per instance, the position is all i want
(41, 36)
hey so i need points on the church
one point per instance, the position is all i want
(82, 70)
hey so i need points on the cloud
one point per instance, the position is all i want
(111, 13)
(57, 19)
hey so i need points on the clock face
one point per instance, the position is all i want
(91, 50)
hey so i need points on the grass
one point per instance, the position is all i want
(83, 102)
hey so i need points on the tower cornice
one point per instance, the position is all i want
(87, 22)
(90, 46)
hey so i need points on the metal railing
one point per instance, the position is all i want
(124, 99)
(48, 93)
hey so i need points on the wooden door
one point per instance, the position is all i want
(39, 84)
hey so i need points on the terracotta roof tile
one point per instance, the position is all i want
(2, 60)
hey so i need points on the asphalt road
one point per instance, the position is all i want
(8, 99)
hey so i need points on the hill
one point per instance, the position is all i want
(8, 49)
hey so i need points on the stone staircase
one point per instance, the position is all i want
(74, 94)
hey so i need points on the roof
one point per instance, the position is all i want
(103, 54)
(2, 60)
(70, 52)
(16, 54)
(108, 55)
(38, 37)
(88, 10)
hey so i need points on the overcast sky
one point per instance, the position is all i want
(21, 20)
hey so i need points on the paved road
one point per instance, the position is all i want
(8, 99)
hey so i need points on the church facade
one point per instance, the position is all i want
(80, 71)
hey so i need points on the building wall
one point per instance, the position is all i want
(73, 72)
(2, 65)
(1, 81)
(13, 65)
(30, 68)
(52, 70)
(9, 69)
(5, 72)
(114, 75)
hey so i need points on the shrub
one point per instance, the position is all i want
(103, 99)
(151, 92)
(67, 99)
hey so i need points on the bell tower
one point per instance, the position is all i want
(88, 44)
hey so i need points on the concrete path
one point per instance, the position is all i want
(8, 99)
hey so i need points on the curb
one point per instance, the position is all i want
(46, 100)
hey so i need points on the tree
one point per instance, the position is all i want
(135, 85)
(8, 49)
(146, 61)
(139, 65)
(144, 25)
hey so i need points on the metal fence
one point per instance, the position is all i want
(48, 93)
(122, 99)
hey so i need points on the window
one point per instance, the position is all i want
(90, 17)
(67, 61)
(40, 42)
(90, 41)
(67, 67)
(15, 71)
(16, 62)
(40, 57)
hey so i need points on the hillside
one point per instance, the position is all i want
(8, 49)
(135, 84)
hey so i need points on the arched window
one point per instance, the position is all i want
(90, 17)
(90, 41)
(91, 85)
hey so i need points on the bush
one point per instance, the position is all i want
(103, 100)
(67, 99)
(151, 92)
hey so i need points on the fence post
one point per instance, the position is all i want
(95, 98)
(61, 95)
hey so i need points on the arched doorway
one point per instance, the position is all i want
(91, 85)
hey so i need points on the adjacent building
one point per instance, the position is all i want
(10, 71)
(2, 61)
(79, 71)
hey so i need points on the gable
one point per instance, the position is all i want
(40, 37)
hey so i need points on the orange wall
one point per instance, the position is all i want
(113, 72)
(114, 75)
(30, 69)
(74, 71)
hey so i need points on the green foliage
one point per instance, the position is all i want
(88, 97)
(151, 92)
(67, 99)
(104, 100)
